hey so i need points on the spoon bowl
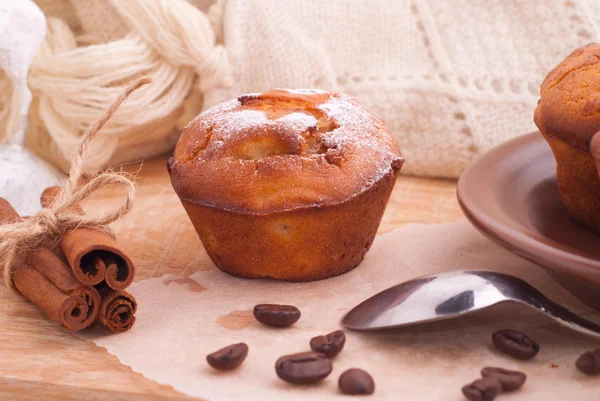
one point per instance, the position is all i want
(449, 295)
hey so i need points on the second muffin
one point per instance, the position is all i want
(568, 116)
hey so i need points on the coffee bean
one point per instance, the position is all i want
(485, 389)
(589, 363)
(329, 345)
(356, 381)
(303, 368)
(515, 344)
(276, 315)
(229, 357)
(511, 380)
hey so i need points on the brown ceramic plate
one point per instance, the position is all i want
(510, 195)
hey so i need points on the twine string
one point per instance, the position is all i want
(47, 226)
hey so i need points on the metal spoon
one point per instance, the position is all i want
(448, 295)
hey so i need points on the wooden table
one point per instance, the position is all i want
(40, 360)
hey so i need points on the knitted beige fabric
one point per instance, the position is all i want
(451, 78)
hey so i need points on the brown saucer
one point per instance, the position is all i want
(510, 195)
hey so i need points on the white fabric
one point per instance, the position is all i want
(22, 30)
(23, 176)
(451, 78)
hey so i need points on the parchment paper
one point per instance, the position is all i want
(181, 320)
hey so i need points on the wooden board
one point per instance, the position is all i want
(40, 360)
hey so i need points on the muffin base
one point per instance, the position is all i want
(304, 244)
(578, 182)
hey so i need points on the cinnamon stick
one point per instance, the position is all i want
(48, 282)
(117, 311)
(92, 254)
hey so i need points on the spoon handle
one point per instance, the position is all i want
(564, 316)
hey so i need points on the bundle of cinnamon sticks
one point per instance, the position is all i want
(82, 281)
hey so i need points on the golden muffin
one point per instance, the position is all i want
(568, 116)
(287, 184)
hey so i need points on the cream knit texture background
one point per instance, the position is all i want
(451, 78)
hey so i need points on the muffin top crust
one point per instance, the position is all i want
(282, 150)
(569, 105)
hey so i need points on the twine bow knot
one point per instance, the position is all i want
(48, 222)
(47, 226)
